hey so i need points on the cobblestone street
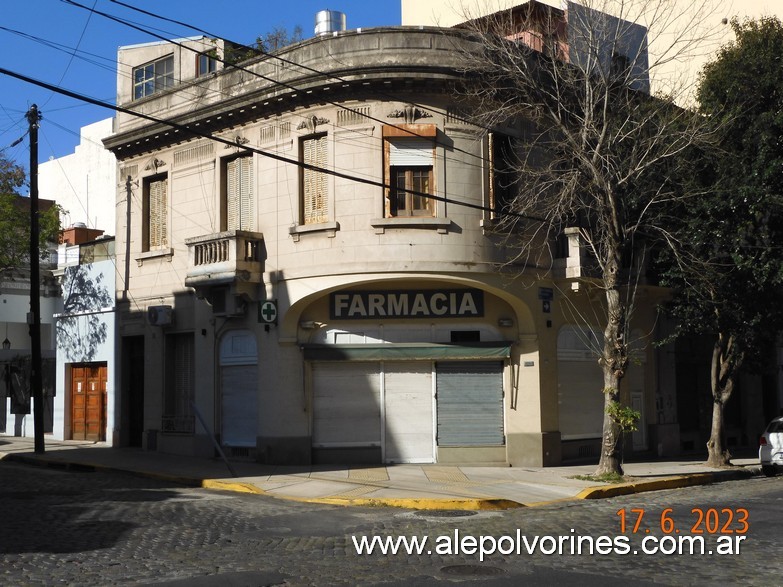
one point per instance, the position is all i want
(92, 528)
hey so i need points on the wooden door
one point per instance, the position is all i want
(88, 402)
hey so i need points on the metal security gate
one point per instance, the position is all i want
(408, 416)
(239, 390)
(346, 405)
(470, 403)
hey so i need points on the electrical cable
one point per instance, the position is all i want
(129, 24)
(187, 130)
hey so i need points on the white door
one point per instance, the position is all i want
(408, 397)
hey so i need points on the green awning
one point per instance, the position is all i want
(406, 352)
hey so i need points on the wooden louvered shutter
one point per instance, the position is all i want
(158, 228)
(315, 204)
(239, 194)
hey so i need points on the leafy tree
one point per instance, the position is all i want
(15, 219)
(598, 153)
(729, 273)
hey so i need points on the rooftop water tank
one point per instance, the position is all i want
(328, 22)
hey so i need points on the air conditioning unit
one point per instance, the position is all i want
(159, 315)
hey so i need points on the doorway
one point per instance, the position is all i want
(88, 401)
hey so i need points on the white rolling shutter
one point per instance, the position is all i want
(579, 383)
(408, 399)
(346, 404)
(410, 152)
(239, 389)
(240, 405)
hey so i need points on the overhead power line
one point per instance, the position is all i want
(258, 51)
(187, 130)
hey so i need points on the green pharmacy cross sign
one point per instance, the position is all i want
(267, 312)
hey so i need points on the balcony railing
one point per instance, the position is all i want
(226, 257)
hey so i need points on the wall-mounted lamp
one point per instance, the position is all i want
(6, 344)
(505, 322)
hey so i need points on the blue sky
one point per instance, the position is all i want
(62, 28)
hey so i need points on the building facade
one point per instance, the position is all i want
(309, 268)
(84, 405)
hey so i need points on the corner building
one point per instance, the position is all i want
(297, 315)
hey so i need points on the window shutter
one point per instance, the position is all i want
(410, 152)
(158, 229)
(314, 197)
(239, 194)
(183, 373)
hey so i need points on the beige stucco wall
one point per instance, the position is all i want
(356, 249)
(697, 19)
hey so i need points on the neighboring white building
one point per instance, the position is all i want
(84, 182)
(16, 416)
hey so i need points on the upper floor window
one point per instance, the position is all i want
(410, 177)
(238, 194)
(314, 204)
(153, 77)
(205, 64)
(155, 212)
(502, 179)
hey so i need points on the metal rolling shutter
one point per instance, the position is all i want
(580, 399)
(470, 403)
(408, 412)
(346, 404)
(240, 405)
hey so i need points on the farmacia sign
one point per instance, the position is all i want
(451, 303)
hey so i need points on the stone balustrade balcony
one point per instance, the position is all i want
(233, 257)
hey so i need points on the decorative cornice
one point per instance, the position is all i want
(311, 123)
(410, 114)
(154, 163)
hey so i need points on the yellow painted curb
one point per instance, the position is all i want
(413, 503)
(232, 486)
(642, 486)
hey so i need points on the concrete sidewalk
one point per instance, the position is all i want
(410, 486)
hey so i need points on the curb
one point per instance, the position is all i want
(412, 503)
(665, 483)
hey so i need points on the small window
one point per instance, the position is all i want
(205, 64)
(239, 209)
(314, 203)
(153, 77)
(410, 177)
(155, 212)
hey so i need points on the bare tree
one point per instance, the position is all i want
(597, 152)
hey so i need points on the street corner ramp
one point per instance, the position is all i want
(414, 503)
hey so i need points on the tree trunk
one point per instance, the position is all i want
(726, 363)
(613, 362)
